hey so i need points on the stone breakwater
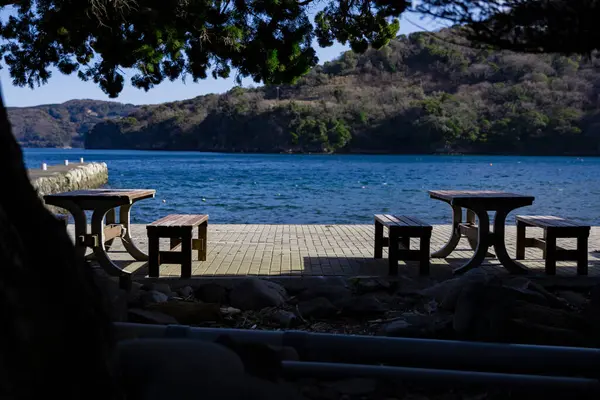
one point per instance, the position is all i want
(65, 178)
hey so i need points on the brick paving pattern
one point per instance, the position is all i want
(271, 250)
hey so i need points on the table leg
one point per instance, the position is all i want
(80, 222)
(110, 219)
(500, 245)
(100, 250)
(472, 236)
(124, 219)
(483, 243)
(378, 250)
(455, 238)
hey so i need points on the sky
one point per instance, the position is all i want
(61, 88)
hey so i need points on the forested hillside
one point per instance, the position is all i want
(420, 94)
(62, 125)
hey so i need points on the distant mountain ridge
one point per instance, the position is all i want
(62, 125)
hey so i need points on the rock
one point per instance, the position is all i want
(363, 305)
(230, 311)
(592, 312)
(335, 294)
(159, 287)
(573, 298)
(482, 312)
(532, 292)
(254, 294)
(354, 386)
(163, 288)
(211, 293)
(285, 318)
(116, 298)
(186, 291)
(531, 333)
(190, 313)
(418, 325)
(152, 297)
(369, 285)
(150, 317)
(446, 293)
(547, 316)
(318, 307)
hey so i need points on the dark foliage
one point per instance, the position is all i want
(268, 40)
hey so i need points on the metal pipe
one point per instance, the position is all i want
(436, 376)
(423, 353)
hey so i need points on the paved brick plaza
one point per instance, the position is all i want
(324, 250)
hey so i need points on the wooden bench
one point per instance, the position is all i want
(179, 229)
(554, 227)
(401, 230)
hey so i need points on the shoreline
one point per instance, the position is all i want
(340, 153)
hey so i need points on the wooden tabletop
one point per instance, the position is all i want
(102, 194)
(488, 198)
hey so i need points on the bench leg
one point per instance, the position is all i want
(153, 256)
(203, 238)
(174, 242)
(186, 255)
(550, 253)
(424, 255)
(521, 234)
(378, 251)
(582, 255)
(404, 242)
(393, 250)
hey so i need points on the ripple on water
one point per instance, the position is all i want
(313, 189)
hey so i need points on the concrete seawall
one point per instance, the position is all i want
(65, 178)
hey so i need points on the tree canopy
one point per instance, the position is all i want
(271, 41)
(268, 40)
(532, 26)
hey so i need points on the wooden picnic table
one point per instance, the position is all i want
(477, 204)
(104, 227)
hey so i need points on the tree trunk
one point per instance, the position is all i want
(56, 338)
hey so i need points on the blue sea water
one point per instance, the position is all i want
(334, 189)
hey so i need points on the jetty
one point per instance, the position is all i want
(328, 250)
(50, 179)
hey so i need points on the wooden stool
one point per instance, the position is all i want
(178, 228)
(554, 227)
(401, 230)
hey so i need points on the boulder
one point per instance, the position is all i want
(140, 316)
(148, 297)
(318, 307)
(333, 293)
(363, 306)
(116, 299)
(285, 318)
(418, 325)
(189, 313)
(573, 298)
(211, 293)
(185, 292)
(369, 285)
(482, 312)
(255, 294)
(532, 333)
(446, 293)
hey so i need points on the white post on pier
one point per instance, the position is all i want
(44, 167)
(81, 160)
(66, 162)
